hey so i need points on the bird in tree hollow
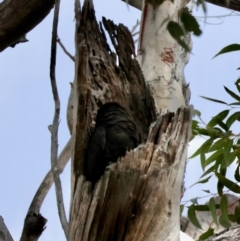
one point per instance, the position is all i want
(114, 134)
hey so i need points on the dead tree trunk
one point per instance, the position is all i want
(138, 197)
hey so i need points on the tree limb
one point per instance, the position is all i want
(54, 127)
(4, 233)
(229, 4)
(19, 17)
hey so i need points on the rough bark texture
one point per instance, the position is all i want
(231, 4)
(34, 225)
(18, 17)
(131, 201)
(99, 79)
(4, 233)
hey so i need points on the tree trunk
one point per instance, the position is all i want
(138, 197)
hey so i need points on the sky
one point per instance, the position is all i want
(27, 107)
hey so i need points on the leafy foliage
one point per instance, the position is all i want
(188, 24)
(220, 149)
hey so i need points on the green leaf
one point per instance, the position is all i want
(228, 183)
(214, 156)
(192, 216)
(219, 117)
(234, 103)
(212, 207)
(196, 113)
(232, 118)
(214, 100)
(228, 157)
(214, 132)
(232, 218)
(201, 181)
(223, 219)
(219, 144)
(194, 200)
(237, 84)
(177, 33)
(237, 174)
(201, 208)
(202, 131)
(207, 234)
(237, 214)
(222, 125)
(211, 169)
(207, 191)
(204, 147)
(203, 159)
(231, 93)
(229, 48)
(190, 23)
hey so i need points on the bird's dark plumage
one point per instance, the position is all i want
(114, 134)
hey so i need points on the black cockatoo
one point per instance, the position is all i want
(114, 134)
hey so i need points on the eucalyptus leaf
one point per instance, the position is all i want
(232, 118)
(207, 234)
(231, 93)
(228, 183)
(214, 100)
(192, 216)
(223, 219)
(229, 48)
(212, 207)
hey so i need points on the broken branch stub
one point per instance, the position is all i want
(100, 79)
(138, 196)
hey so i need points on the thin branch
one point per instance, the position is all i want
(48, 180)
(54, 127)
(64, 49)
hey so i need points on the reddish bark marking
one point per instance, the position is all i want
(145, 8)
(167, 55)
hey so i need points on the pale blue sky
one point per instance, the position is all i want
(26, 105)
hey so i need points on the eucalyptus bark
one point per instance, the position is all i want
(138, 197)
(229, 4)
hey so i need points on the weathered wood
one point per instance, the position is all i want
(18, 17)
(4, 232)
(100, 79)
(131, 197)
(131, 201)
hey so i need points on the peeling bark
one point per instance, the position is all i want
(130, 201)
(161, 58)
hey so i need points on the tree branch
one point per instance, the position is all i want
(4, 233)
(229, 4)
(54, 127)
(65, 50)
(19, 17)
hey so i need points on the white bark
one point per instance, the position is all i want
(162, 60)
